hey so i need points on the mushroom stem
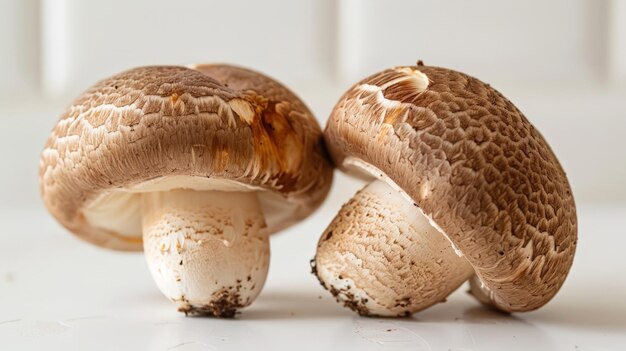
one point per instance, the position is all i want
(208, 251)
(380, 256)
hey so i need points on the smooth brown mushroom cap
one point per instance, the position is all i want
(152, 122)
(474, 164)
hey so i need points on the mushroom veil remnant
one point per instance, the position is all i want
(195, 165)
(462, 187)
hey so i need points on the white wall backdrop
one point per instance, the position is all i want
(563, 62)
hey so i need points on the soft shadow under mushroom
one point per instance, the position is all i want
(293, 305)
(589, 309)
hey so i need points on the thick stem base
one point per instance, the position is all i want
(381, 257)
(208, 251)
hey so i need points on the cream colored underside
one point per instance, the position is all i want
(358, 165)
(119, 210)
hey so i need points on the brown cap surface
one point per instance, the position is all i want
(474, 164)
(151, 122)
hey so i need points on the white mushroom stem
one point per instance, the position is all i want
(381, 256)
(208, 251)
(482, 293)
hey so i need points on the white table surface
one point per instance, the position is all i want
(58, 293)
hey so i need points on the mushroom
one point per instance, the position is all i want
(195, 165)
(463, 186)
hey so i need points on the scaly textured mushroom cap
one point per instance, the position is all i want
(475, 165)
(153, 123)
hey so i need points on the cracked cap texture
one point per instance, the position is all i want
(214, 121)
(473, 163)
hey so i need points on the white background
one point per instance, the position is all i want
(562, 62)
